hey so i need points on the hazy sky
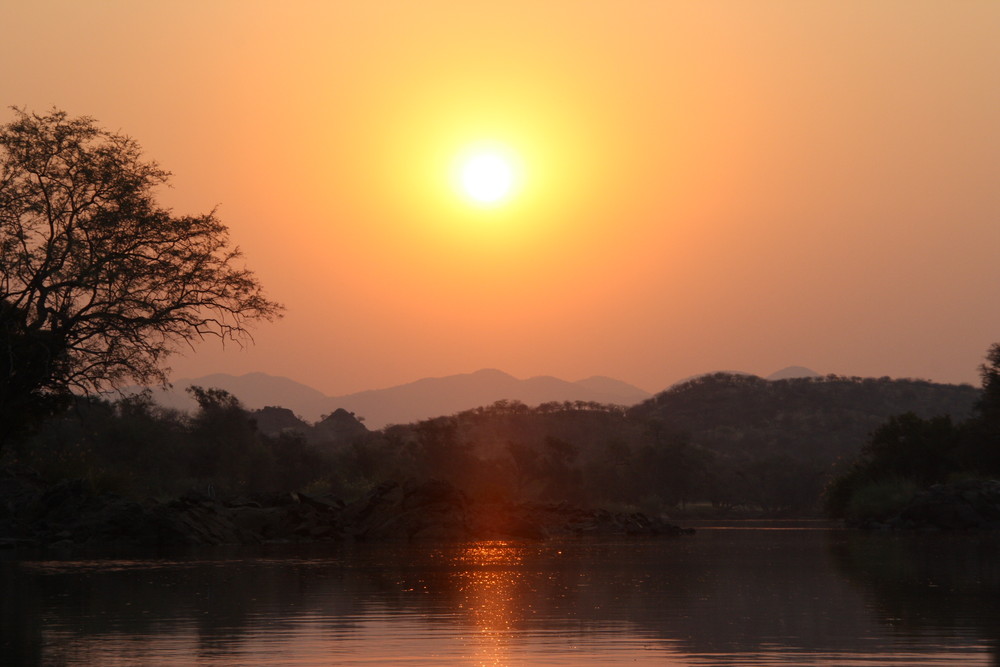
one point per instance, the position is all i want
(703, 185)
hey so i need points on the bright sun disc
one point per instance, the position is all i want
(487, 178)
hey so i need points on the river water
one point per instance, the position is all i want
(739, 594)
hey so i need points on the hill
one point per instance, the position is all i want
(819, 418)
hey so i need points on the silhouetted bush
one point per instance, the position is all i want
(908, 453)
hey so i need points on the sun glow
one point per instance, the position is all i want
(461, 184)
(487, 176)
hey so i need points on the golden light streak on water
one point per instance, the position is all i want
(489, 587)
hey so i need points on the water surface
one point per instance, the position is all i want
(747, 595)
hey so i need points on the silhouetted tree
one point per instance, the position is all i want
(562, 477)
(443, 454)
(980, 446)
(919, 449)
(98, 283)
(226, 445)
(525, 464)
(989, 404)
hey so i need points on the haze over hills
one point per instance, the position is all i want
(255, 391)
(422, 399)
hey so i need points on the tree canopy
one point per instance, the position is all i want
(98, 282)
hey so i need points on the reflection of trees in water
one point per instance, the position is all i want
(210, 598)
(719, 593)
(20, 618)
(947, 584)
(727, 592)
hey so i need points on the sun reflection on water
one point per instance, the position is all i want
(490, 583)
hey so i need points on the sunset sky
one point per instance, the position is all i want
(696, 186)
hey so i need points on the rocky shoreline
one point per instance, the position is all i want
(33, 513)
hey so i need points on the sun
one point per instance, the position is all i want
(487, 177)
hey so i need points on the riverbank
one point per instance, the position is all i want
(34, 513)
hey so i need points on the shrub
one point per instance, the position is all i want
(879, 500)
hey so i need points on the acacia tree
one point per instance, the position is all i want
(99, 283)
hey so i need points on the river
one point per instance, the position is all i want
(739, 594)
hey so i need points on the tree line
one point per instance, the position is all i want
(638, 458)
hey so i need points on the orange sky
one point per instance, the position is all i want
(706, 185)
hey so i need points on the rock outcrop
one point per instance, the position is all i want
(274, 421)
(32, 513)
(339, 426)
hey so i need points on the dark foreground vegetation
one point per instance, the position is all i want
(937, 472)
(720, 445)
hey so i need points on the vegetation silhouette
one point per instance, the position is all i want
(720, 444)
(909, 453)
(99, 283)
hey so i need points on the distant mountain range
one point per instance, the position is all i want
(792, 372)
(422, 399)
